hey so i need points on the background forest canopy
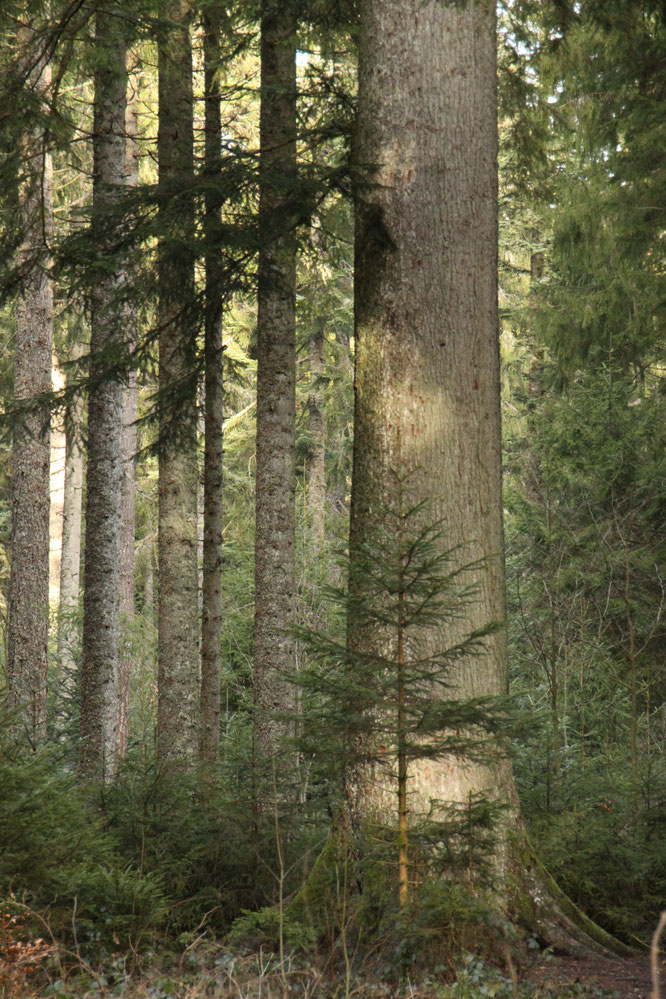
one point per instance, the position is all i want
(254, 608)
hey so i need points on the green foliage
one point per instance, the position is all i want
(584, 493)
(56, 855)
(402, 583)
(262, 928)
(585, 548)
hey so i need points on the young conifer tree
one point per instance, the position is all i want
(382, 705)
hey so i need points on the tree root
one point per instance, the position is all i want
(539, 906)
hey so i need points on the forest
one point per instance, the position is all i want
(332, 498)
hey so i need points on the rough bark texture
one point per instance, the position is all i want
(70, 564)
(57, 474)
(29, 579)
(211, 622)
(316, 480)
(128, 451)
(427, 363)
(101, 599)
(427, 383)
(178, 624)
(274, 652)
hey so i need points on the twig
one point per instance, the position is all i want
(654, 955)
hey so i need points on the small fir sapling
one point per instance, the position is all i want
(380, 700)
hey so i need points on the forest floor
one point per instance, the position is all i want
(551, 977)
(626, 978)
(216, 973)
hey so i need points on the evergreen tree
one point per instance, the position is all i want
(427, 365)
(101, 602)
(381, 708)
(129, 438)
(211, 624)
(178, 623)
(29, 581)
(274, 650)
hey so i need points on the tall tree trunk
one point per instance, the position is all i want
(57, 501)
(101, 599)
(211, 622)
(29, 579)
(427, 362)
(178, 617)
(274, 651)
(427, 388)
(70, 564)
(128, 451)
(316, 481)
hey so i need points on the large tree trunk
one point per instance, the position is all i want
(178, 612)
(427, 362)
(427, 371)
(29, 579)
(128, 452)
(101, 599)
(211, 602)
(274, 650)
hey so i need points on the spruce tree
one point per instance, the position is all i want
(178, 623)
(29, 581)
(101, 601)
(274, 650)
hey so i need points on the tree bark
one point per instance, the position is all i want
(101, 599)
(427, 362)
(317, 481)
(70, 564)
(29, 578)
(274, 651)
(427, 385)
(128, 451)
(211, 621)
(178, 617)
(57, 500)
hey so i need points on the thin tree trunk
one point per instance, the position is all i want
(101, 599)
(128, 451)
(178, 617)
(57, 500)
(29, 579)
(317, 481)
(70, 565)
(211, 623)
(274, 651)
(633, 667)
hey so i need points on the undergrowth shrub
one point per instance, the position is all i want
(211, 850)
(57, 858)
(609, 860)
